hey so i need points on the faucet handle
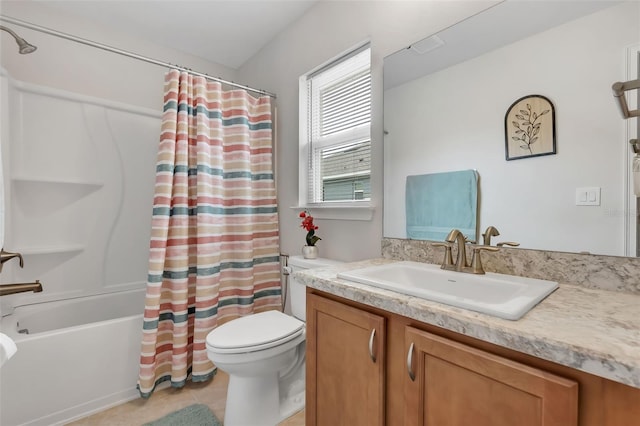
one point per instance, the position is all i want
(6, 256)
(476, 261)
(448, 257)
(508, 243)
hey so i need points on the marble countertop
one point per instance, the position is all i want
(595, 331)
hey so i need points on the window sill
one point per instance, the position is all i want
(339, 211)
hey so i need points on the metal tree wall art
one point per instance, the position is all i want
(530, 128)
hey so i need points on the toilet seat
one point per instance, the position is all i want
(254, 333)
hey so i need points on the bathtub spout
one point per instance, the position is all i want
(6, 289)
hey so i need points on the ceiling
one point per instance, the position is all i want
(461, 42)
(227, 32)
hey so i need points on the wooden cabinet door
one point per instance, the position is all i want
(345, 365)
(456, 385)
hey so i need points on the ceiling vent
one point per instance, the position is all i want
(426, 45)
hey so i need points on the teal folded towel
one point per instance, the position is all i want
(436, 203)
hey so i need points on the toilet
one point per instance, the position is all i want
(264, 356)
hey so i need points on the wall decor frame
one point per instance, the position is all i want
(530, 128)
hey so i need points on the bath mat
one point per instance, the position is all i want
(193, 415)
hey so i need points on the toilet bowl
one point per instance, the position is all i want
(264, 356)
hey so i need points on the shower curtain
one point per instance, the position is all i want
(214, 250)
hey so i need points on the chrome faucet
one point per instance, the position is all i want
(5, 256)
(6, 289)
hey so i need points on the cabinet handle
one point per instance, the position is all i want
(373, 335)
(409, 357)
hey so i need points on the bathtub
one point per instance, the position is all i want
(80, 356)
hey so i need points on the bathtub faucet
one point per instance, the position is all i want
(5, 256)
(6, 289)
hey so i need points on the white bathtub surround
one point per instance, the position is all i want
(1, 197)
(214, 242)
(68, 157)
(77, 208)
(4, 136)
(596, 331)
(80, 357)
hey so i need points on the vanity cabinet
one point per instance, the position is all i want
(345, 365)
(448, 383)
(457, 380)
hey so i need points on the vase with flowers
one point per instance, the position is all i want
(309, 251)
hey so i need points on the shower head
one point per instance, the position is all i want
(23, 46)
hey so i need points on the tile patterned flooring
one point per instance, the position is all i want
(139, 411)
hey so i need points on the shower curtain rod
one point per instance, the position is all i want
(108, 48)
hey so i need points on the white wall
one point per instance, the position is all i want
(329, 28)
(454, 120)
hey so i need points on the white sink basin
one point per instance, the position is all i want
(503, 296)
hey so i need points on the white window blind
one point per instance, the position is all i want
(338, 130)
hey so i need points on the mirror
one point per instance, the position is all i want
(445, 100)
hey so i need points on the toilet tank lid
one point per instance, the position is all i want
(301, 262)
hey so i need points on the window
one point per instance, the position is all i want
(335, 141)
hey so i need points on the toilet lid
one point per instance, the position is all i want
(258, 331)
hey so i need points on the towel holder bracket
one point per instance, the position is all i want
(618, 91)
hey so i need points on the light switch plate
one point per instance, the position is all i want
(588, 196)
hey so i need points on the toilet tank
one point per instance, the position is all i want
(297, 290)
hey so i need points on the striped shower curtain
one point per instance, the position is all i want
(214, 253)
